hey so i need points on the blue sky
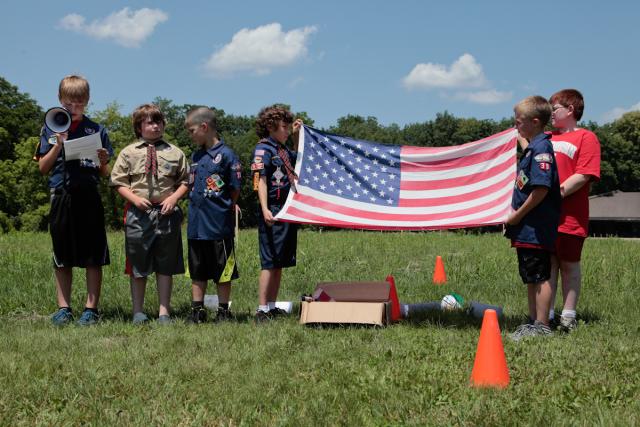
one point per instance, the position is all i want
(399, 61)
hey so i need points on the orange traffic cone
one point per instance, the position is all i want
(439, 276)
(490, 367)
(395, 303)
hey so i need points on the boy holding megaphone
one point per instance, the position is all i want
(76, 218)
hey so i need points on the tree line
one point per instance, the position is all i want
(24, 197)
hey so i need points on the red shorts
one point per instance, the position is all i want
(569, 247)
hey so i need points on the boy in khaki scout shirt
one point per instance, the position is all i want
(151, 175)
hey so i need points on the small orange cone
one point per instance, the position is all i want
(490, 367)
(395, 303)
(439, 276)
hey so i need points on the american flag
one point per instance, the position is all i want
(349, 183)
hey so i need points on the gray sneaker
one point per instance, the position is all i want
(538, 329)
(164, 319)
(88, 318)
(140, 318)
(567, 324)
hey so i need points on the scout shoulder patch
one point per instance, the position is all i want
(543, 158)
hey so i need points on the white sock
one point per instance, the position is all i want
(570, 314)
(271, 305)
(263, 308)
(552, 314)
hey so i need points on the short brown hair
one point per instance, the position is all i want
(534, 107)
(144, 112)
(74, 88)
(269, 118)
(567, 97)
(202, 115)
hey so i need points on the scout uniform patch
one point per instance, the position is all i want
(214, 184)
(544, 161)
(521, 180)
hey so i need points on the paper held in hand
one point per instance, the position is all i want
(83, 148)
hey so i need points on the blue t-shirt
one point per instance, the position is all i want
(268, 164)
(82, 173)
(537, 167)
(214, 174)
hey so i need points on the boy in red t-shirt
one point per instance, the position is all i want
(577, 153)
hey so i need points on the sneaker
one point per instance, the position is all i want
(567, 324)
(263, 316)
(528, 330)
(198, 315)
(223, 315)
(140, 318)
(277, 312)
(62, 317)
(88, 318)
(165, 319)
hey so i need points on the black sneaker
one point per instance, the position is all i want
(277, 312)
(263, 316)
(198, 315)
(223, 315)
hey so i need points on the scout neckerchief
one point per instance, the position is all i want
(151, 165)
(291, 173)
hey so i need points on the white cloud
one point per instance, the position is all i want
(486, 97)
(618, 112)
(126, 27)
(464, 72)
(260, 50)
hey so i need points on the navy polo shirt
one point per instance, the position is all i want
(537, 167)
(214, 174)
(79, 173)
(267, 162)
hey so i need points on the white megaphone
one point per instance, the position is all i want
(57, 119)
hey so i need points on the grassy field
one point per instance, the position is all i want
(412, 373)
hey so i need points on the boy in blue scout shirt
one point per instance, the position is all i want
(214, 184)
(273, 177)
(151, 175)
(532, 226)
(76, 219)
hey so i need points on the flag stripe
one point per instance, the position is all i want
(413, 213)
(433, 200)
(411, 165)
(301, 213)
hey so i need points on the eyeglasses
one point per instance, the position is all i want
(70, 105)
(558, 107)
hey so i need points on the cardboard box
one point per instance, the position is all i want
(333, 312)
(353, 291)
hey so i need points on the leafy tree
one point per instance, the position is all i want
(20, 117)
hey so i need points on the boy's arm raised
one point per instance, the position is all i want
(46, 162)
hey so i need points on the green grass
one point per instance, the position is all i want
(413, 373)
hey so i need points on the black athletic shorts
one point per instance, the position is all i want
(76, 225)
(534, 265)
(212, 260)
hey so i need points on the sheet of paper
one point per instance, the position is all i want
(83, 148)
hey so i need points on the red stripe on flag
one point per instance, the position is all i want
(441, 184)
(381, 216)
(492, 219)
(447, 200)
(458, 162)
